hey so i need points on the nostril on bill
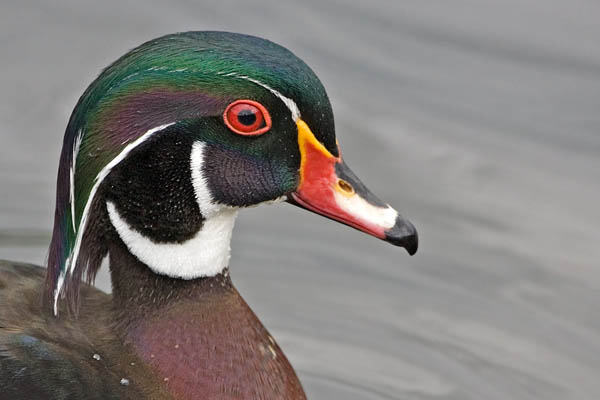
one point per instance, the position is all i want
(345, 186)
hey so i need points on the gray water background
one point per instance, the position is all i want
(479, 120)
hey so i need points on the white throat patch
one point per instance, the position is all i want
(205, 254)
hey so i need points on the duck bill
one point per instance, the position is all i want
(330, 188)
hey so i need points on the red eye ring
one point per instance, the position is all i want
(247, 118)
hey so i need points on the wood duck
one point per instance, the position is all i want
(160, 153)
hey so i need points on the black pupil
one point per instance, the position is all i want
(247, 117)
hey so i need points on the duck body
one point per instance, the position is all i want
(175, 346)
(161, 152)
(45, 358)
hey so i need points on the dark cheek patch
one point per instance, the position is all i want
(240, 180)
(152, 190)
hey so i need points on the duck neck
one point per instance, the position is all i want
(139, 293)
(148, 275)
(198, 336)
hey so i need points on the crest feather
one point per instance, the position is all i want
(173, 78)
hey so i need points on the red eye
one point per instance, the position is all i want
(247, 117)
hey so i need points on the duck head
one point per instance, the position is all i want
(177, 135)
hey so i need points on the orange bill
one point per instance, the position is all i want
(328, 187)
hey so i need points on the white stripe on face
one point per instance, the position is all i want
(72, 260)
(208, 207)
(290, 104)
(205, 254)
(76, 146)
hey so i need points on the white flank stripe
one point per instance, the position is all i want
(72, 260)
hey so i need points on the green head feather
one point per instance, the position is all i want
(174, 79)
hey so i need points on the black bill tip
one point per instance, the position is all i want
(403, 234)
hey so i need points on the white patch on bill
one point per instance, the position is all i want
(355, 205)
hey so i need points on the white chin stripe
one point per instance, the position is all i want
(205, 254)
(355, 205)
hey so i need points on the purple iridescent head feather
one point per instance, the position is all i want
(174, 78)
